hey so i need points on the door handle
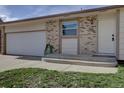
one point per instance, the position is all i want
(113, 37)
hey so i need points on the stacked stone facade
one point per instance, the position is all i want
(53, 32)
(88, 35)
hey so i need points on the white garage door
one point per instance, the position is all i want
(28, 43)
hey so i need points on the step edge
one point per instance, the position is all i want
(79, 61)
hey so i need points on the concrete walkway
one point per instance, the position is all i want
(14, 62)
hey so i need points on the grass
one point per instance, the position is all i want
(34, 77)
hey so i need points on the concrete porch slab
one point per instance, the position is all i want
(84, 60)
(82, 57)
(14, 62)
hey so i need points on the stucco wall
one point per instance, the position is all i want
(27, 26)
(53, 34)
(87, 34)
(121, 35)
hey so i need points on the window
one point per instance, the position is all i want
(69, 28)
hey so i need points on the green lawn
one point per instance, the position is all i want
(33, 77)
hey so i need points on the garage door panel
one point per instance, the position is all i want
(28, 43)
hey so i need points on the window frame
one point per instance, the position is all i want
(69, 35)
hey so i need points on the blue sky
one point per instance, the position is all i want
(15, 12)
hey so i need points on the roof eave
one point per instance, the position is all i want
(62, 14)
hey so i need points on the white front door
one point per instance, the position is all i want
(107, 34)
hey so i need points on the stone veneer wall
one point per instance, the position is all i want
(3, 40)
(88, 35)
(53, 34)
